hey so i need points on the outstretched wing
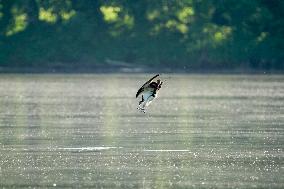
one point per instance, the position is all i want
(139, 91)
(150, 80)
(145, 84)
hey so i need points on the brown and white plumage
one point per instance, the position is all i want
(148, 91)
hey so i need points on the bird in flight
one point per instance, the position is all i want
(149, 92)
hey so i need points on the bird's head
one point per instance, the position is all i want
(159, 83)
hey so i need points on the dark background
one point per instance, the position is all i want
(185, 35)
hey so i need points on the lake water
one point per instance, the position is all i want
(204, 131)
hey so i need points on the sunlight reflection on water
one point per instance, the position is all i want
(204, 131)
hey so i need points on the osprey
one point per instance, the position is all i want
(148, 91)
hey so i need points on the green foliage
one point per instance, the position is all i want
(183, 33)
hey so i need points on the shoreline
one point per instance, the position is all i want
(110, 69)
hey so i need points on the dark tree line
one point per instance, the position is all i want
(200, 34)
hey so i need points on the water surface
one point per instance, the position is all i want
(204, 131)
